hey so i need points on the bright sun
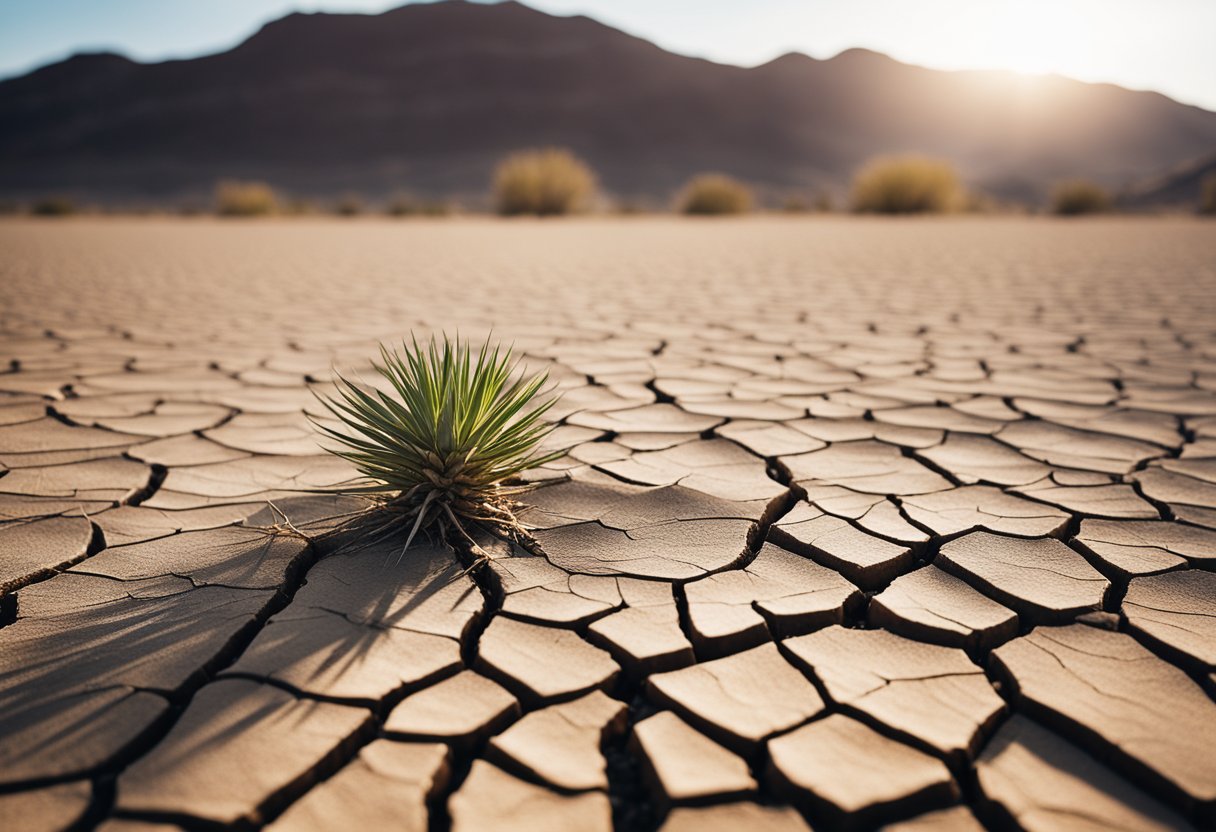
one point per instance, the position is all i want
(1034, 43)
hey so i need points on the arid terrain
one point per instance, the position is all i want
(429, 97)
(864, 522)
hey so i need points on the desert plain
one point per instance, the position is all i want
(864, 523)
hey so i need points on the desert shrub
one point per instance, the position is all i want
(544, 182)
(629, 207)
(445, 447)
(404, 205)
(53, 206)
(820, 203)
(245, 199)
(1207, 195)
(296, 207)
(795, 204)
(1076, 197)
(715, 193)
(349, 205)
(978, 203)
(436, 208)
(905, 185)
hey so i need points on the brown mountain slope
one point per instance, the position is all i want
(1180, 189)
(428, 96)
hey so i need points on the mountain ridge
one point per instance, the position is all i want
(426, 97)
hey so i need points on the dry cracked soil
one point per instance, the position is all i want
(864, 524)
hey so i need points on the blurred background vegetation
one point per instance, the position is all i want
(1077, 196)
(547, 182)
(553, 181)
(906, 185)
(715, 193)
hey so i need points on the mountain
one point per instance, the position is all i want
(427, 97)
(1180, 189)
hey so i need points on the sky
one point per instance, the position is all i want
(1163, 45)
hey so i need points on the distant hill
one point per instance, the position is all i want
(427, 97)
(1178, 190)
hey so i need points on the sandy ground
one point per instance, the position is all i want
(863, 522)
(368, 278)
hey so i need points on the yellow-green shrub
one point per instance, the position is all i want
(244, 199)
(715, 193)
(544, 182)
(1077, 196)
(905, 185)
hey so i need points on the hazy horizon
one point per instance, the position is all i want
(1137, 44)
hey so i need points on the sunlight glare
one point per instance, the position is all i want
(1032, 36)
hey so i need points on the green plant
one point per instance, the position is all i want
(1076, 197)
(542, 182)
(905, 185)
(444, 449)
(715, 193)
(244, 199)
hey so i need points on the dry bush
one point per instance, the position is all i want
(297, 207)
(906, 185)
(349, 205)
(544, 182)
(245, 199)
(821, 203)
(53, 206)
(1076, 197)
(404, 205)
(1207, 195)
(715, 193)
(795, 204)
(978, 203)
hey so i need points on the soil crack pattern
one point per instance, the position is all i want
(847, 534)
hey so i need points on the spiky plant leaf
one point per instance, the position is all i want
(442, 446)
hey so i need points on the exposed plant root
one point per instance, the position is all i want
(441, 518)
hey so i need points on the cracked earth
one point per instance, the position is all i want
(863, 524)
